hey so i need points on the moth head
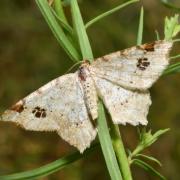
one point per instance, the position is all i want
(85, 63)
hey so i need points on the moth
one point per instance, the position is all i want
(68, 105)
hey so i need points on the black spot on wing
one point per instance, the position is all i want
(142, 63)
(39, 112)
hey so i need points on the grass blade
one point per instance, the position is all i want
(107, 13)
(80, 31)
(59, 10)
(149, 168)
(106, 145)
(176, 40)
(49, 168)
(140, 28)
(149, 158)
(173, 68)
(57, 30)
(103, 132)
(175, 57)
(65, 25)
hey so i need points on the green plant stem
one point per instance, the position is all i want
(57, 30)
(140, 28)
(120, 152)
(107, 13)
(81, 31)
(49, 168)
(138, 149)
(106, 145)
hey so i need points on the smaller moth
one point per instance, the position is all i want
(68, 104)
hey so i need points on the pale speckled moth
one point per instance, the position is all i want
(68, 104)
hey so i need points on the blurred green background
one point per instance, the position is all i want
(30, 57)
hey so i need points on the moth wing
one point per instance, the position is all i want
(134, 68)
(57, 106)
(124, 106)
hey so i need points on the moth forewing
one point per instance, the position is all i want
(58, 106)
(135, 68)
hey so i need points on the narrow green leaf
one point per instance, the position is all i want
(59, 10)
(173, 68)
(140, 28)
(170, 5)
(106, 145)
(49, 168)
(80, 31)
(159, 133)
(57, 30)
(107, 13)
(148, 168)
(66, 26)
(171, 27)
(146, 139)
(175, 57)
(149, 158)
(176, 40)
(103, 132)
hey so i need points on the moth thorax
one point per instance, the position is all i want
(89, 90)
(83, 72)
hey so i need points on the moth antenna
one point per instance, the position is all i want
(74, 65)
